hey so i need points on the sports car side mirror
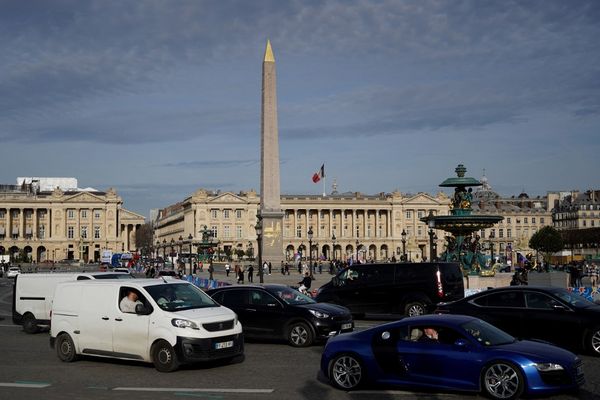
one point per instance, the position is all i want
(461, 345)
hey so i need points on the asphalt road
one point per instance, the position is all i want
(30, 369)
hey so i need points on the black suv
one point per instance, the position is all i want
(278, 311)
(394, 288)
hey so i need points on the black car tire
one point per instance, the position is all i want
(593, 341)
(65, 348)
(29, 323)
(300, 334)
(164, 357)
(346, 372)
(415, 307)
(502, 380)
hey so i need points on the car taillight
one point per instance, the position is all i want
(440, 288)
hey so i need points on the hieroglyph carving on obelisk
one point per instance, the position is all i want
(270, 195)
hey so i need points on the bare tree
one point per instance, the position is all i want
(143, 239)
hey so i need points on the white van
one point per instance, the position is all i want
(33, 293)
(174, 322)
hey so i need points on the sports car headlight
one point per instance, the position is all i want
(547, 367)
(184, 323)
(319, 314)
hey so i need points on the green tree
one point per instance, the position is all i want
(143, 239)
(547, 241)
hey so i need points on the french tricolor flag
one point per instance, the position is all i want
(319, 174)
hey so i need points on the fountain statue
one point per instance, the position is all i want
(463, 246)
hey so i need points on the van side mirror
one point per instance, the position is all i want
(141, 309)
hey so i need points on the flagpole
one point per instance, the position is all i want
(323, 186)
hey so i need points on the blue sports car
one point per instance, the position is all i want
(449, 352)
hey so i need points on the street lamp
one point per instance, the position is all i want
(157, 247)
(259, 231)
(190, 239)
(164, 251)
(310, 236)
(333, 238)
(431, 223)
(403, 234)
(180, 249)
(357, 242)
(492, 236)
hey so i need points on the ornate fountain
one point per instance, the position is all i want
(463, 245)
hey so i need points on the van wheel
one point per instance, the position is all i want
(29, 324)
(300, 335)
(65, 348)
(164, 357)
(414, 308)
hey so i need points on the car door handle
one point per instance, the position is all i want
(251, 309)
(105, 318)
(118, 319)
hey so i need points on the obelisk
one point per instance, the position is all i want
(270, 200)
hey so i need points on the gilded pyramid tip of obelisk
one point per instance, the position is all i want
(269, 57)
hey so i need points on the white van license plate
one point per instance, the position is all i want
(224, 345)
(346, 326)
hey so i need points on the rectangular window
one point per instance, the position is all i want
(420, 214)
(84, 232)
(508, 220)
(533, 220)
(238, 214)
(509, 233)
(1, 213)
(15, 214)
(215, 231)
(83, 214)
(214, 213)
(97, 214)
(70, 214)
(408, 214)
(419, 231)
(357, 231)
(541, 220)
(501, 247)
(524, 220)
(41, 231)
(299, 231)
(368, 231)
(96, 232)
(322, 214)
(28, 214)
(238, 232)
(482, 234)
(380, 232)
(226, 231)
(226, 214)
(70, 232)
(501, 232)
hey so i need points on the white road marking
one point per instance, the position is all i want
(403, 393)
(194, 390)
(10, 326)
(25, 385)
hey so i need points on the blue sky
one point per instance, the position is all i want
(160, 98)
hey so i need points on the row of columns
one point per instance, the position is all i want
(329, 218)
(22, 228)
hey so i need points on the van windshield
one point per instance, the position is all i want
(179, 296)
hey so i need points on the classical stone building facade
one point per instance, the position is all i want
(523, 217)
(72, 224)
(575, 210)
(367, 226)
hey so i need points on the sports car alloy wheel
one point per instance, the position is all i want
(346, 372)
(503, 381)
(595, 341)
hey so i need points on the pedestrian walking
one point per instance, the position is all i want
(270, 267)
(594, 272)
(227, 269)
(241, 274)
(211, 269)
(250, 274)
